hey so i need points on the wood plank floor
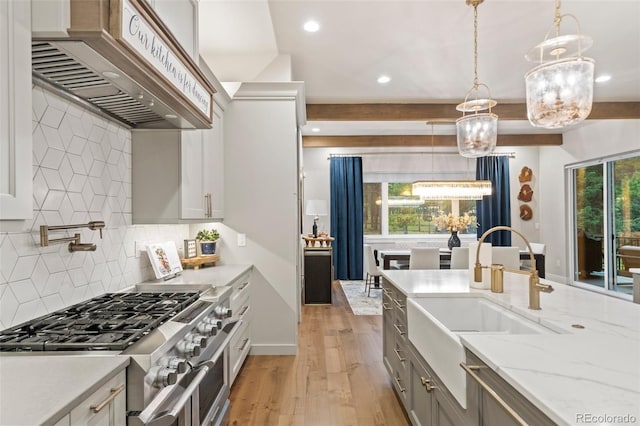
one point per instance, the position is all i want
(337, 378)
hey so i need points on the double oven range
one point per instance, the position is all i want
(177, 342)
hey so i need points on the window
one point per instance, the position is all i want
(390, 209)
(606, 203)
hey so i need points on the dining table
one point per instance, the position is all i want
(403, 255)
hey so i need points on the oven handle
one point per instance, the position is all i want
(168, 417)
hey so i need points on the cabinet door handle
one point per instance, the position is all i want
(427, 384)
(386, 306)
(471, 370)
(210, 205)
(243, 286)
(244, 344)
(398, 329)
(96, 408)
(206, 205)
(399, 356)
(243, 311)
(397, 380)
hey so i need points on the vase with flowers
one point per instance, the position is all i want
(207, 239)
(453, 224)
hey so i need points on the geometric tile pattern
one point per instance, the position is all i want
(81, 172)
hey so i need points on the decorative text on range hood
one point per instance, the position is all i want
(123, 60)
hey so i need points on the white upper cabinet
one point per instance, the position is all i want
(214, 167)
(177, 175)
(15, 110)
(181, 17)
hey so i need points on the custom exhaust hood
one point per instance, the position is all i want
(118, 56)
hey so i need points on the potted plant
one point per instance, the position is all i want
(207, 241)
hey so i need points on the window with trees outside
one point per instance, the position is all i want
(606, 223)
(391, 209)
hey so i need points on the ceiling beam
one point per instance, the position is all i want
(398, 141)
(447, 112)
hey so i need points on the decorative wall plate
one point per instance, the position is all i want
(525, 212)
(526, 174)
(526, 193)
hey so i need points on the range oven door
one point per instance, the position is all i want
(201, 397)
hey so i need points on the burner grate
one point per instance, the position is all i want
(112, 321)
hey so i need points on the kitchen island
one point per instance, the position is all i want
(586, 368)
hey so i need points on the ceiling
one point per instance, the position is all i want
(424, 46)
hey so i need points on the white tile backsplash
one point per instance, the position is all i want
(82, 172)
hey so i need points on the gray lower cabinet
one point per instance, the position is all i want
(395, 339)
(426, 400)
(430, 403)
(493, 400)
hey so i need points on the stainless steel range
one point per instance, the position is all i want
(177, 342)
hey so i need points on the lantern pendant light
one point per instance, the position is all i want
(477, 133)
(560, 89)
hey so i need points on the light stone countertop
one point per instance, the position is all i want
(592, 371)
(41, 389)
(193, 279)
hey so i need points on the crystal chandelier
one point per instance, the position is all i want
(451, 189)
(560, 89)
(477, 133)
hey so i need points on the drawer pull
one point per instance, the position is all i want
(397, 379)
(114, 392)
(386, 307)
(399, 356)
(398, 304)
(243, 286)
(471, 370)
(244, 344)
(427, 384)
(398, 329)
(386, 292)
(244, 310)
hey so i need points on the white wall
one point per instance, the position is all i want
(591, 140)
(81, 172)
(261, 201)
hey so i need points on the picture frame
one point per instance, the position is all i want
(190, 249)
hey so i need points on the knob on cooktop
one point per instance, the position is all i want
(164, 376)
(178, 364)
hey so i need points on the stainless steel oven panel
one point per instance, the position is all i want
(157, 413)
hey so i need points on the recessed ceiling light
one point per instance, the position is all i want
(384, 79)
(311, 26)
(315, 130)
(603, 78)
(111, 74)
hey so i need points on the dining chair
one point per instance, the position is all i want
(424, 258)
(371, 268)
(460, 258)
(536, 248)
(509, 257)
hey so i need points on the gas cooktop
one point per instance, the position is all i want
(109, 322)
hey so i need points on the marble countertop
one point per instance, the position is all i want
(215, 275)
(43, 388)
(593, 370)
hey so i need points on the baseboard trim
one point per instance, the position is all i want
(257, 349)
